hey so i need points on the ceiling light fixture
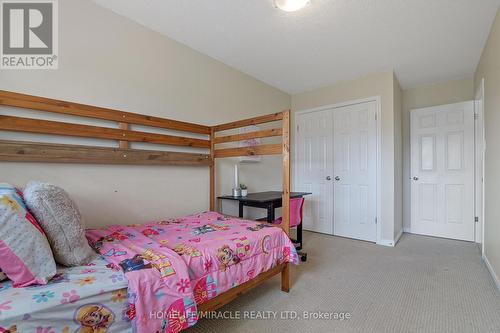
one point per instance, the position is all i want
(290, 5)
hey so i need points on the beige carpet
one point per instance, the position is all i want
(424, 284)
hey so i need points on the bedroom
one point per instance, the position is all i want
(198, 63)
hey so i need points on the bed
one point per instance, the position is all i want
(243, 253)
(174, 266)
(91, 298)
(211, 254)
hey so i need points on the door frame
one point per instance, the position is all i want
(378, 180)
(478, 188)
(479, 147)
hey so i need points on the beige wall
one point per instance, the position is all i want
(421, 97)
(380, 84)
(398, 159)
(110, 61)
(489, 69)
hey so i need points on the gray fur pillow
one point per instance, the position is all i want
(61, 220)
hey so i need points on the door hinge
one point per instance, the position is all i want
(376, 220)
(476, 116)
(297, 128)
(375, 116)
(476, 219)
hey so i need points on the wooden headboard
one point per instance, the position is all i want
(62, 153)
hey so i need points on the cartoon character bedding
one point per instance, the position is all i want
(175, 264)
(170, 266)
(84, 299)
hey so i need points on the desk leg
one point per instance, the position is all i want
(240, 213)
(299, 236)
(270, 212)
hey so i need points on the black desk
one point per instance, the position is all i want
(268, 200)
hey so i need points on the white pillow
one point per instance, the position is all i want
(61, 220)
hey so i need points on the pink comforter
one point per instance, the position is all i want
(173, 265)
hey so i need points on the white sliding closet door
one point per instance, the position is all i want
(442, 171)
(355, 160)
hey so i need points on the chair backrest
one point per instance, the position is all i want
(296, 211)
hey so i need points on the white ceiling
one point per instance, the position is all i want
(424, 41)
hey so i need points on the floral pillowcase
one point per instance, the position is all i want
(25, 254)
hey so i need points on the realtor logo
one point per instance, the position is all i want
(29, 34)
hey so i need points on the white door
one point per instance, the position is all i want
(442, 171)
(314, 169)
(355, 171)
(479, 153)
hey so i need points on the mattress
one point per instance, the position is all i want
(84, 299)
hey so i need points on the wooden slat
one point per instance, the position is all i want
(15, 151)
(18, 124)
(251, 121)
(271, 149)
(123, 144)
(212, 170)
(251, 135)
(57, 106)
(233, 293)
(285, 199)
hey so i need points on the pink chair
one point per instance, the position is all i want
(296, 205)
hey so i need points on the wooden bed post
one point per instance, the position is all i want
(285, 273)
(212, 169)
(123, 144)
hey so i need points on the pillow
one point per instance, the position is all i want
(25, 255)
(61, 220)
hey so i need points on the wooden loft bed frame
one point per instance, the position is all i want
(21, 151)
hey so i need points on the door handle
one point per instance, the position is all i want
(337, 178)
(415, 178)
(328, 178)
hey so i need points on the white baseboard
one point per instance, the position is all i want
(390, 242)
(386, 242)
(492, 272)
(398, 236)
